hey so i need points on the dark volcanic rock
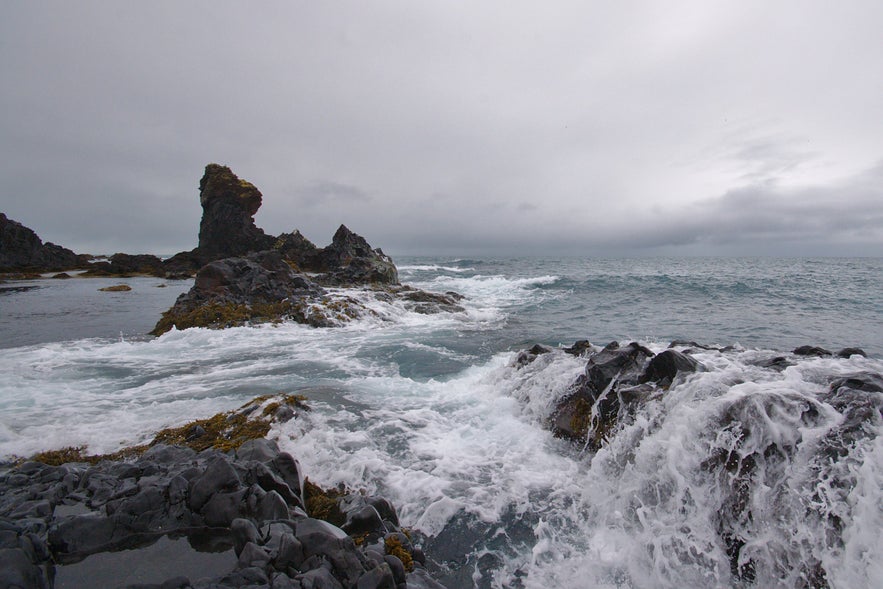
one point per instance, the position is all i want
(228, 207)
(22, 249)
(259, 277)
(350, 260)
(592, 410)
(54, 516)
(127, 265)
(299, 250)
(182, 264)
(247, 276)
(579, 348)
(811, 351)
(235, 290)
(665, 366)
(847, 352)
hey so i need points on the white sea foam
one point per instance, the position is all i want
(639, 513)
(433, 268)
(468, 446)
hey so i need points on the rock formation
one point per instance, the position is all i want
(615, 380)
(262, 287)
(221, 485)
(245, 276)
(227, 229)
(127, 265)
(21, 249)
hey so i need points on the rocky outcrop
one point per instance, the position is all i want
(614, 382)
(227, 227)
(262, 287)
(21, 249)
(233, 291)
(298, 250)
(249, 504)
(128, 265)
(350, 260)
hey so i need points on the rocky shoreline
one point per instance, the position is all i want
(219, 484)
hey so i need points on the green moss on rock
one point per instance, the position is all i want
(394, 547)
(323, 503)
(223, 431)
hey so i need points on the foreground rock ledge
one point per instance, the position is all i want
(250, 503)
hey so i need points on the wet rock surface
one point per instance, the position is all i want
(614, 379)
(617, 379)
(247, 506)
(756, 436)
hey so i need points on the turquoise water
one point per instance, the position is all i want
(430, 411)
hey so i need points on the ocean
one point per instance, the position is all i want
(432, 412)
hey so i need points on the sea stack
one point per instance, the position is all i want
(228, 204)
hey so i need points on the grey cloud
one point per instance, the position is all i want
(586, 127)
(845, 217)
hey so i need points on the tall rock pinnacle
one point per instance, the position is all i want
(228, 208)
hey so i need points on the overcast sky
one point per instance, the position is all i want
(549, 128)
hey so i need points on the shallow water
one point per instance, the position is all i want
(428, 410)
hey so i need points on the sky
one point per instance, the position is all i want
(452, 128)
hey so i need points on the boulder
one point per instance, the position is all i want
(847, 352)
(590, 412)
(663, 367)
(811, 351)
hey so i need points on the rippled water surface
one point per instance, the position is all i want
(430, 411)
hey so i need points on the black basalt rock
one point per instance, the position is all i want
(663, 367)
(591, 411)
(53, 516)
(811, 351)
(22, 249)
(127, 264)
(847, 352)
(227, 227)
(350, 260)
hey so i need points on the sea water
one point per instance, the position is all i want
(430, 411)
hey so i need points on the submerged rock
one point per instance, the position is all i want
(116, 288)
(664, 366)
